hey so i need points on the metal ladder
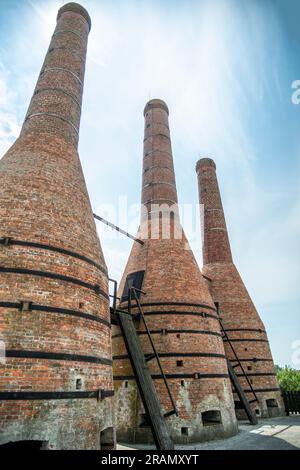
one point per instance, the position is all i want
(125, 320)
(233, 377)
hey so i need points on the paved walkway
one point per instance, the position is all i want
(269, 434)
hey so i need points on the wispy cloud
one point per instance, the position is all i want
(9, 128)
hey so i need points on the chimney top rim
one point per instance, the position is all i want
(76, 8)
(205, 162)
(156, 103)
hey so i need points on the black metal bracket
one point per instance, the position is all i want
(149, 357)
(5, 241)
(133, 294)
(102, 394)
(170, 413)
(233, 377)
(25, 306)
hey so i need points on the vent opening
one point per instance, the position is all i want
(238, 405)
(273, 408)
(107, 439)
(144, 421)
(272, 403)
(211, 418)
(78, 384)
(185, 431)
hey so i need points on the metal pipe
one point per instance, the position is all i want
(115, 227)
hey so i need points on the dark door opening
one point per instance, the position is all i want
(133, 280)
(273, 408)
(26, 445)
(211, 418)
(107, 439)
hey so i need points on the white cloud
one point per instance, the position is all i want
(9, 127)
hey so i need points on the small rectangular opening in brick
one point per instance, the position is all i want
(78, 384)
(211, 418)
(185, 431)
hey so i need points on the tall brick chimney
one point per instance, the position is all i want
(178, 309)
(240, 319)
(56, 382)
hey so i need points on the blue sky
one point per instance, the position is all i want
(225, 68)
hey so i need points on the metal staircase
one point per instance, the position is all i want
(125, 320)
(245, 403)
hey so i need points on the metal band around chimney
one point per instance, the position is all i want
(157, 123)
(175, 354)
(259, 374)
(30, 116)
(72, 395)
(178, 312)
(148, 154)
(60, 90)
(245, 339)
(61, 69)
(56, 356)
(164, 167)
(50, 275)
(258, 330)
(7, 241)
(261, 390)
(73, 51)
(252, 359)
(155, 135)
(185, 304)
(160, 199)
(63, 31)
(56, 310)
(166, 331)
(159, 182)
(214, 210)
(195, 375)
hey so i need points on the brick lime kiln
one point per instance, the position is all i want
(56, 385)
(178, 308)
(240, 319)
